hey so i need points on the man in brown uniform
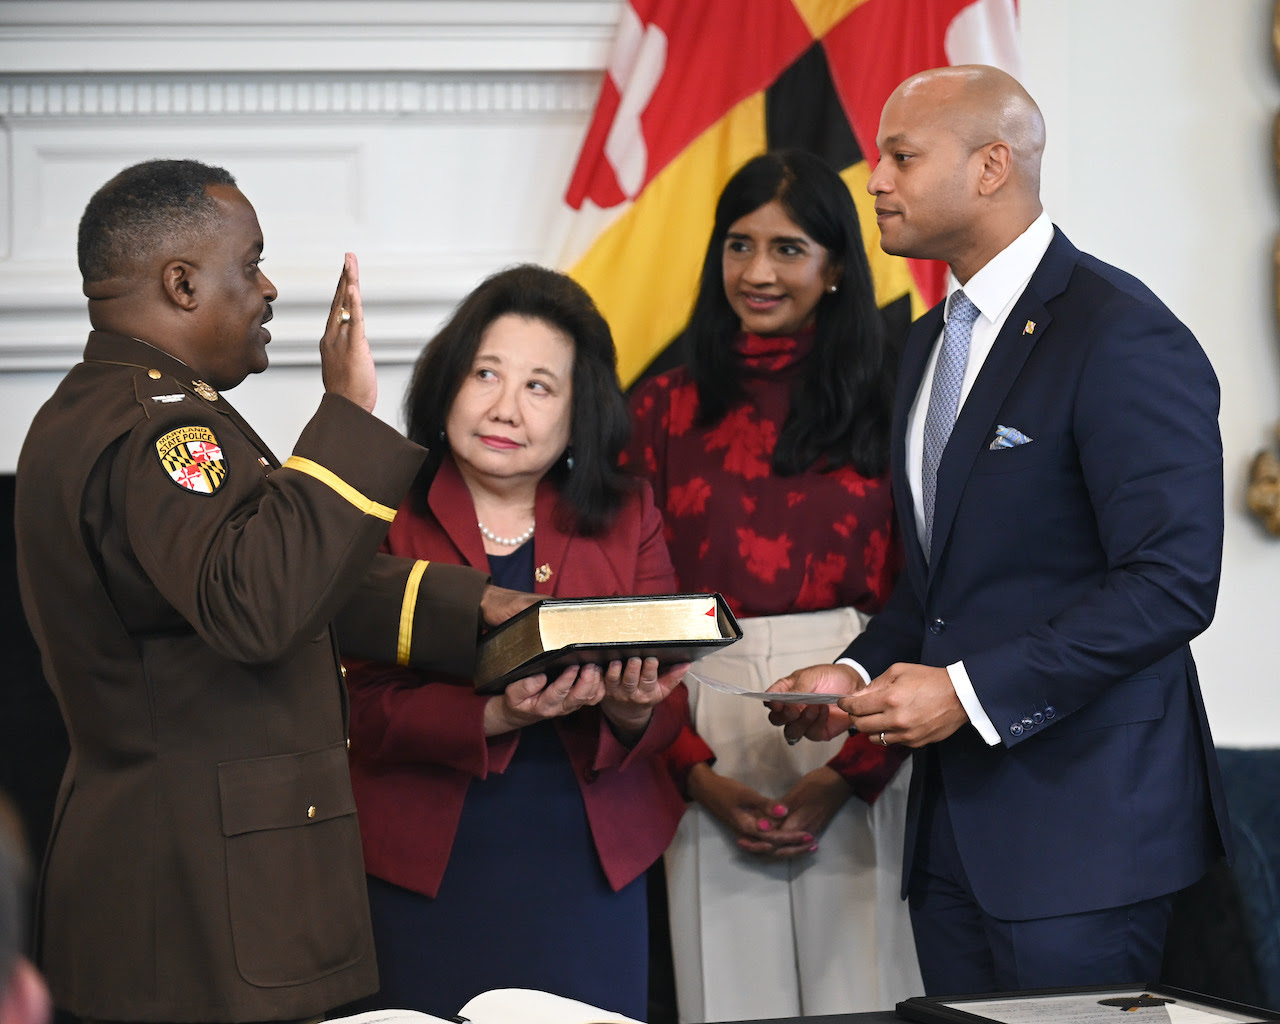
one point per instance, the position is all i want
(205, 862)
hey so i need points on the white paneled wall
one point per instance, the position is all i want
(435, 138)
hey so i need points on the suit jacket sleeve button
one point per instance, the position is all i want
(1050, 711)
(937, 626)
(1015, 729)
(1038, 718)
(1027, 723)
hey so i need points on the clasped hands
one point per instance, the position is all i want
(907, 703)
(774, 828)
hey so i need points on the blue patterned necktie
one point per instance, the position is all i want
(944, 397)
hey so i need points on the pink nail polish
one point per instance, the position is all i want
(813, 848)
(763, 825)
(779, 811)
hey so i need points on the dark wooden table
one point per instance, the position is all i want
(874, 1017)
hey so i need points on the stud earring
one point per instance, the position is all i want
(832, 289)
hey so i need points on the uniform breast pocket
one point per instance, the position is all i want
(295, 876)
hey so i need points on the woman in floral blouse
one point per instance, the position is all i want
(768, 456)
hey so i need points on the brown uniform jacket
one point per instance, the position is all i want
(205, 862)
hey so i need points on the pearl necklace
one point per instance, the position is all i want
(506, 542)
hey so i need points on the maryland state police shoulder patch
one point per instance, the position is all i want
(193, 459)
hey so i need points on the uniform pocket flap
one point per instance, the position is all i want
(285, 790)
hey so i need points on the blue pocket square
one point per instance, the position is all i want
(1009, 437)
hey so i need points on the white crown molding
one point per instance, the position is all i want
(325, 36)
(223, 95)
(158, 71)
(43, 319)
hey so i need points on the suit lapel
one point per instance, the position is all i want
(977, 419)
(227, 409)
(550, 544)
(450, 502)
(915, 356)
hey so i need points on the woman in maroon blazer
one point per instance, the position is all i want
(506, 837)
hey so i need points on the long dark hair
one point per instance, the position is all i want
(591, 491)
(841, 406)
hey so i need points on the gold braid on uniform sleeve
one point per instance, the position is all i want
(331, 480)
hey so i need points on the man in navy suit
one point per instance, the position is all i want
(1034, 652)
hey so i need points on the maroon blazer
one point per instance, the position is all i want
(417, 741)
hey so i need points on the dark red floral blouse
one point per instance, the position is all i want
(770, 544)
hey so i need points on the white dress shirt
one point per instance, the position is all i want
(994, 289)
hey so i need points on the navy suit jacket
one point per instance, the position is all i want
(1069, 574)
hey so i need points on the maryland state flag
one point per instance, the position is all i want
(695, 88)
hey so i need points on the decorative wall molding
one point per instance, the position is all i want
(432, 137)
(296, 96)
(326, 36)
(52, 341)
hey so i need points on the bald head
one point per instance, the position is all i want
(959, 171)
(984, 105)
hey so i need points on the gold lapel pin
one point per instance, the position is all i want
(542, 573)
(1030, 328)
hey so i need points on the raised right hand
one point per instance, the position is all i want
(346, 362)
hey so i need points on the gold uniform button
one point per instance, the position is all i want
(344, 671)
(348, 742)
(154, 374)
(311, 811)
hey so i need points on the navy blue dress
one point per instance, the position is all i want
(524, 902)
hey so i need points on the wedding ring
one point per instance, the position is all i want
(882, 741)
(344, 315)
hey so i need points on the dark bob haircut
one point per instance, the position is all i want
(592, 490)
(147, 209)
(841, 407)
